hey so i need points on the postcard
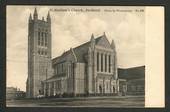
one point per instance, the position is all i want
(85, 56)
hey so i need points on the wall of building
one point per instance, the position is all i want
(136, 87)
(135, 79)
(14, 93)
(106, 85)
(70, 80)
(39, 55)
(79, 78)
(71, 83)
(106, 70)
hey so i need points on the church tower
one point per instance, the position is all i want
(39, 54)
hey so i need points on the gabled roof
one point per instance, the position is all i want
(82, 50)
(103, 41)
(97, 39)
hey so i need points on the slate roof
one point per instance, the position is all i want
(132, 73)
(56, 76)
(80, 51)
(61, 57)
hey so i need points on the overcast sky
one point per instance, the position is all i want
(70, 29)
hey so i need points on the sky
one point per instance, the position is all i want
(72, 28)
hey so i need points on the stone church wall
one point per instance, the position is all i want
(79, 78)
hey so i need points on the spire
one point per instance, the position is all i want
(104, 34)
(35, 14)
(30, 18)
(35, 11)
(92, 37)
(48, 17)
(113, 44)
(92, 41)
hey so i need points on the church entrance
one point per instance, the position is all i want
(100, 89)
(113, 89)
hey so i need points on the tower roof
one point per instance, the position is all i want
(35, 11)
(48, 15)
(113, 44)
(35, 14)
(92, 36)
(30, 17)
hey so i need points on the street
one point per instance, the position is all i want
(105, 101)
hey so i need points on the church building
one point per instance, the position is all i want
(88, 69)
(39, 54)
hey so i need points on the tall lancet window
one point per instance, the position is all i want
(39, 38)
(109, 63)
(101, 62)
(105, 62)
(45, 39)
(97, 61)
(42, 39)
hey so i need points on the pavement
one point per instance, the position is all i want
(99, 102)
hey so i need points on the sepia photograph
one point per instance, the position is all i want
(76, 56)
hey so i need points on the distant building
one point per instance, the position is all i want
(135, 79)
(14, 93)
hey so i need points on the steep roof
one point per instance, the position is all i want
(61, 57)
(103, 41)
(81, 50)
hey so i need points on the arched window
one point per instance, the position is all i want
(45, 39)
(38, 38)
(109, 63)
(42, 52)
(45, 52)
(105, 62)
(42, 38)
(113, 89)
(97, 61)
(107, 86)
(100, 88)
(39, 52)
(101, 62)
